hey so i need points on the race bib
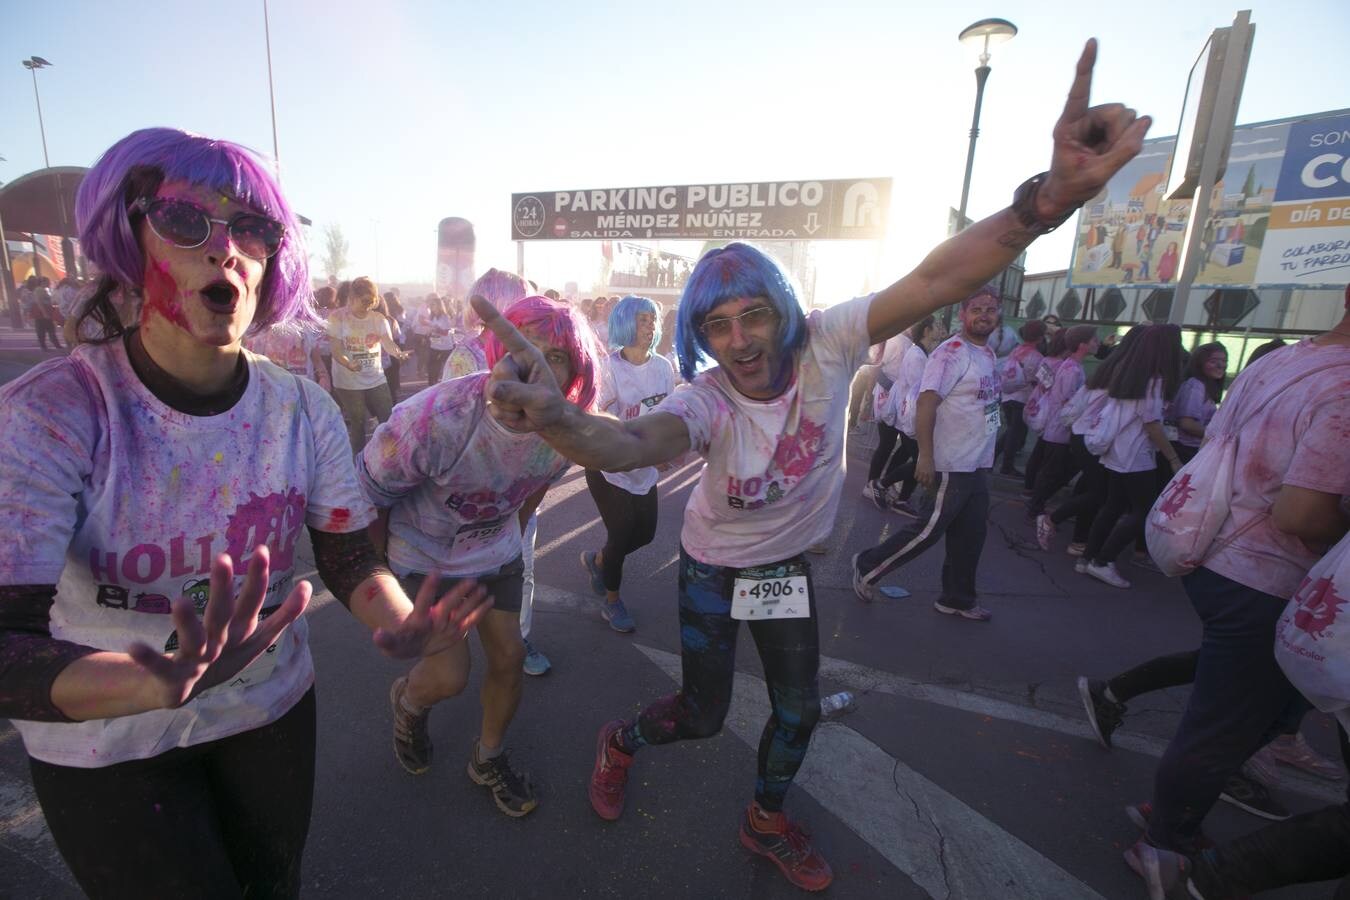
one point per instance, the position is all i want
(366, 362)
(1171, 433)
(476, 535)
(991, 417)
(771, 592)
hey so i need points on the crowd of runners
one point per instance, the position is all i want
(156, 480)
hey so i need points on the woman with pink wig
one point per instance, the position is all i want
(454, 489)
(162, 698)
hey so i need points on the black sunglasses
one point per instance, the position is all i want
(187, 225)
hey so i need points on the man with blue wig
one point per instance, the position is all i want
(769, 419)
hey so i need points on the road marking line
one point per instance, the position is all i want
(947, 848)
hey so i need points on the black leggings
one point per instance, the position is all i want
(630, 524)
(1129, 495)
(789, 650)
(1056, 470)
(894, 456)
(1089, 494)
(225, 819)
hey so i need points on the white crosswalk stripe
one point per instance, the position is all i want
(947, 848)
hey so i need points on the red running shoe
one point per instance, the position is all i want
(785, 842)
(610, 775)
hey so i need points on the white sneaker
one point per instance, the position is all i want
(1106, 573)
(1045, 531)
(1081, 566)
(870, 491)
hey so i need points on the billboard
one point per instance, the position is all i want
(842, 209)
(1279, 218)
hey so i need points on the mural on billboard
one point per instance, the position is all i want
(1280, 216)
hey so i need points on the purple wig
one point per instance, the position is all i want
(139, 163)
(498, 287)
(566, 330)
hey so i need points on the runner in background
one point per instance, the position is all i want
(633, 383)
(358, 332)
(1017, 374)
(956, 422)
(884, 457)
(325, 299)
(454, 488)
(770, 422)
(440, 337)
(294, 348)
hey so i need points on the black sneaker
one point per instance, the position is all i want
(1252, 796)
(511, 790)
(412, 744)
(1103, 714)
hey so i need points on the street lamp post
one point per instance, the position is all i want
(32, 64)
(983, 35)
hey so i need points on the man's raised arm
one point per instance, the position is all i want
(1090, 145)
(525, 397)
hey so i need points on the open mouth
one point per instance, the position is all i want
(220, 296)
(748, 362)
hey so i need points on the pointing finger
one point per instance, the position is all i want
(1077, 105)
(511, 339)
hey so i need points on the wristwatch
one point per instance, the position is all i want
(1024, 207)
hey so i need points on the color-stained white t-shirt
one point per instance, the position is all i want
(905, 393)
(1068, 378)
(1301, 438)
(441, 334)
(892, 358)
(1021, 364)
(287, 346)
(963, 375)
(123, 503)
(1191, 402)
(628, 391)
(775, 468)
(455, 479)
(468, 356)
(360, 339)
(1132, 451)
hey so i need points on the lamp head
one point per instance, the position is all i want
(986, 33)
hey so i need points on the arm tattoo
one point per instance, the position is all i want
(1016, 239)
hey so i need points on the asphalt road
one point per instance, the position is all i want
(965, 771)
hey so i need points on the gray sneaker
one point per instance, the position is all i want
(511, 790)
(412, 744)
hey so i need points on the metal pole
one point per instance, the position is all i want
(42, 129)
(520, 258)
(981, 76)
(1230, 91)
(271, 95)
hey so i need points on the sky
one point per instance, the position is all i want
(391, 118)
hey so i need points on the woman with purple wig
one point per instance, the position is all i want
(161, 697)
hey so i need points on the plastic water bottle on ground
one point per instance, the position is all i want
(836, 705)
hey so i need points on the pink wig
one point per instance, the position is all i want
(564, 329)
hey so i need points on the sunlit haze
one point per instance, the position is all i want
(391, 118)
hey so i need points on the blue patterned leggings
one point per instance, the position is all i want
(789, 650)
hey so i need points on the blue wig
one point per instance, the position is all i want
(623, 321)
(730, 273)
